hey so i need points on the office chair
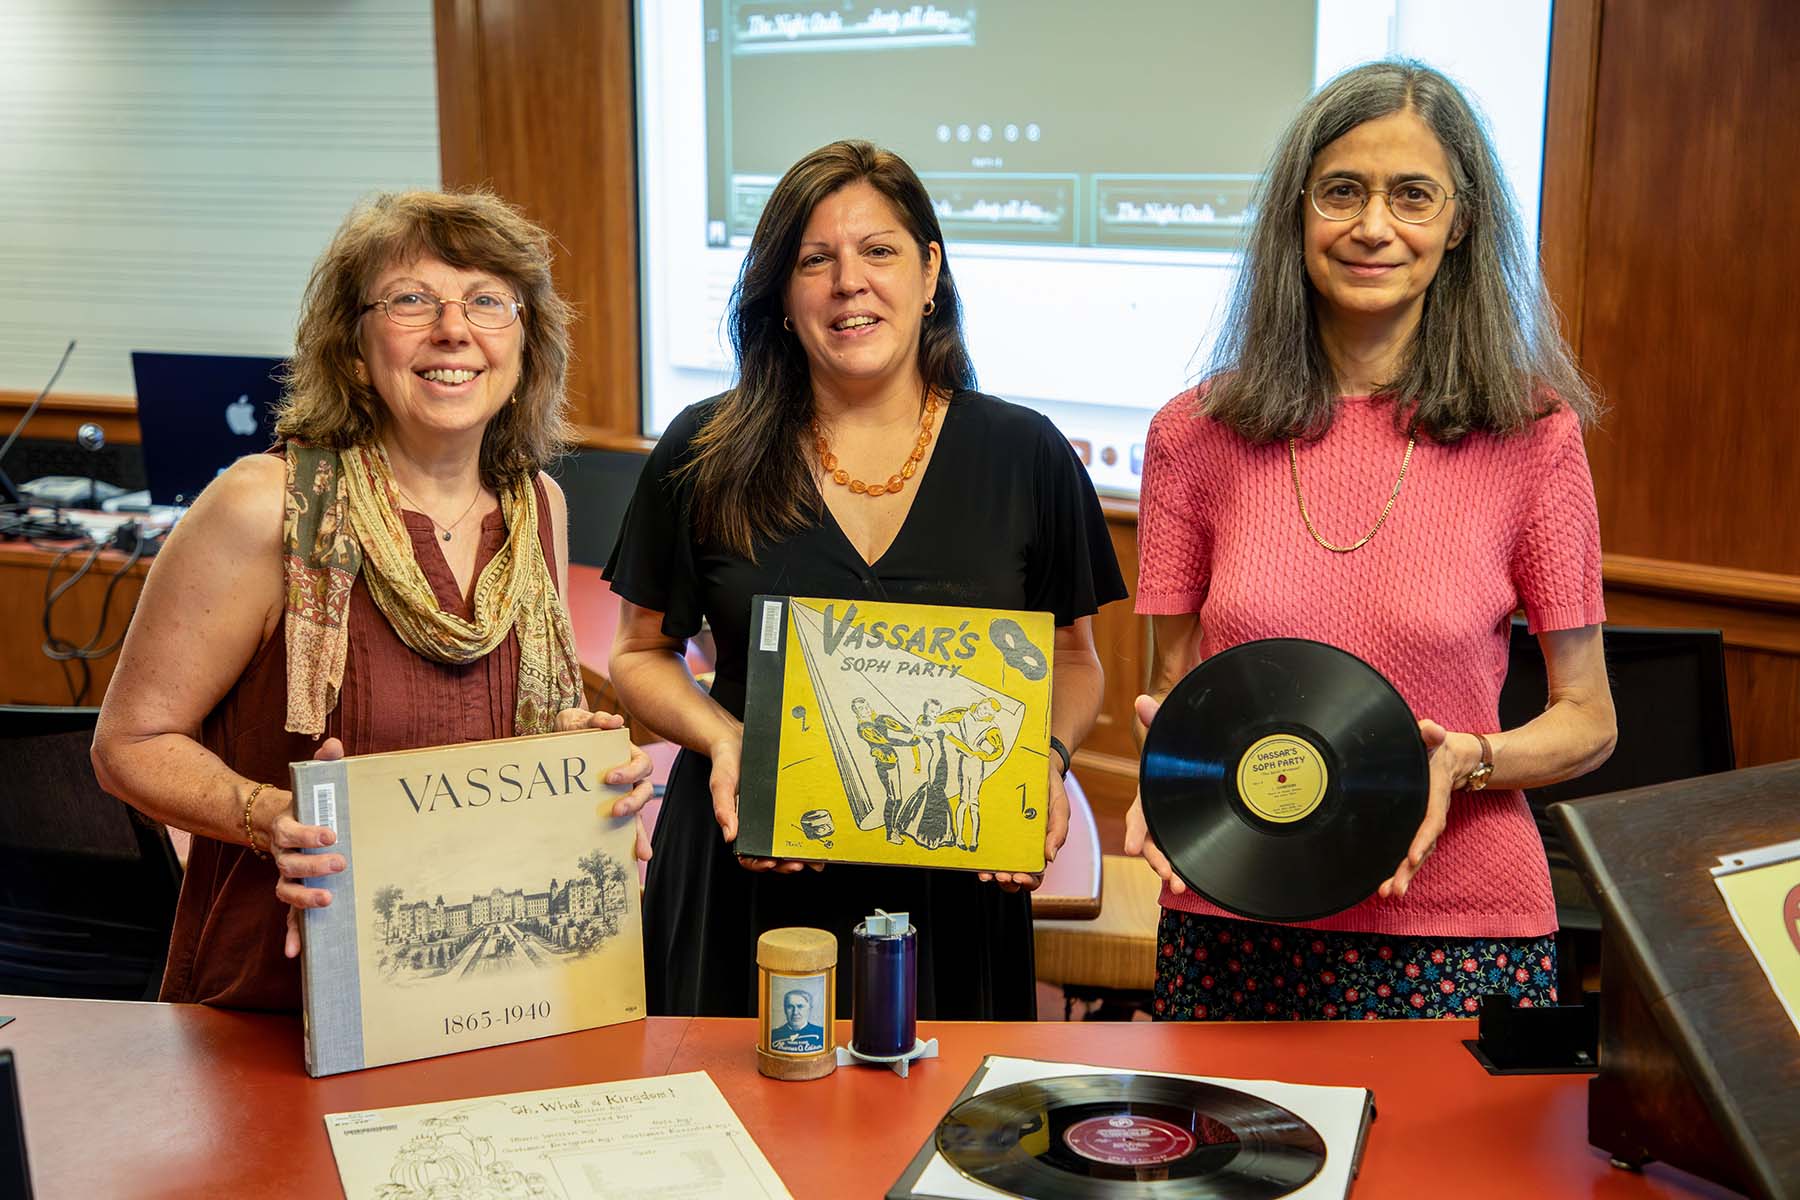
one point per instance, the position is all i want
(1674, 717)
(87, 885)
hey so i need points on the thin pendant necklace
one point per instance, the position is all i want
(443, 529)
(1359, 543)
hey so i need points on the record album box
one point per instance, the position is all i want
(904, 734)
(489, 897)
(1022, 1127)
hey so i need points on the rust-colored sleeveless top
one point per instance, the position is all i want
(226, 948)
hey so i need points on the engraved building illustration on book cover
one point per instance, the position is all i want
(491, 897)
(897, 733)
(500, 930)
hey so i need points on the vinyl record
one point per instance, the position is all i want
(1129, 1137)
(1284, 779)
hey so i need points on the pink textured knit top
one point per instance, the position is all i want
(1482, 527)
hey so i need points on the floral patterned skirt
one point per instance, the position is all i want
(1223, 969)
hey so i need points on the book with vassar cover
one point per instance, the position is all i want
(900, 734)
(489, 897)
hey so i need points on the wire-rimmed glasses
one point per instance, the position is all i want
(1415, 201)
(416, 310)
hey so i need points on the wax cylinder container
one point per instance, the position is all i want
(885, 974)
(796, 1006)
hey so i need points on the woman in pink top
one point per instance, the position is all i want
(1387, 458)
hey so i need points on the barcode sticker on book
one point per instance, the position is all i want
(325, 805)
(771, 625)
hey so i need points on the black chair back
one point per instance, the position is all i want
(1668, 688)
(87, 885)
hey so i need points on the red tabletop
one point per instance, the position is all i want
(129, 1100)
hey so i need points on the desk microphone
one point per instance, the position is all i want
(92, 438)
(8, 493)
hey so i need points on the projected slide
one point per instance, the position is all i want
(1092, 165)
(758, 28)
(1023, 130)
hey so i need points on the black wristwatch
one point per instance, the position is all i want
(1061, 751)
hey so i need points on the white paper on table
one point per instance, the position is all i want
(1336, 1112)
(670, 1136)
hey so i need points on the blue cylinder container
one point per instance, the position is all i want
(885, 977)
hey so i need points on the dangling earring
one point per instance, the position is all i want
(930, 307)
(515, 399)
(787, 323)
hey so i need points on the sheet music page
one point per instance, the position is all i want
(671, 1136)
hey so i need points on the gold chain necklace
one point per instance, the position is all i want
(1359, 543)
(441, 528)
(838, 475)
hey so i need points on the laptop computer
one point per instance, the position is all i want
(198, 414)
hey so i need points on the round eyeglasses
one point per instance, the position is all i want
(1416, 201)
(416, 310)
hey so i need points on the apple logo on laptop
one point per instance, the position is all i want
(240, 416)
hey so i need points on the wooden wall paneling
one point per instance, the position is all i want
(1107, 762)
(1744, 627)
(1765, 705)
(1687, 304)
(1683, 290)
(462, 154)
(1762, 662)
(536, 101)
(26, 675)
(1568, 152)
(1703, 582)
(60, 415)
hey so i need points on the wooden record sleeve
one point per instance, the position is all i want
(1699, 1063)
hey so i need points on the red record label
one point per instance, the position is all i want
(1129, 1141)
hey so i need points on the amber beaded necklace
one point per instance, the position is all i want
(838, 475)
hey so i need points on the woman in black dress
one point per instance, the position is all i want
(851, 366)
(926, 817)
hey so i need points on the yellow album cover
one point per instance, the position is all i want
(905, 734)
(490, 896)
(1762, 889)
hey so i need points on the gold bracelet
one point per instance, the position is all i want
(249, 832)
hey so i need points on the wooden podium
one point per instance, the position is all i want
(1699, 1064)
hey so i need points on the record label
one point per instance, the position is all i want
(1129, 1141)
(1282, 778)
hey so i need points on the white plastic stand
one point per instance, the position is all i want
(847, 1057)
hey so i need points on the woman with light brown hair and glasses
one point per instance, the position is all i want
(1386, 457)
(390, 576)
(851, 459)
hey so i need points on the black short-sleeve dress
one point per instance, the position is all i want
(1005, 517)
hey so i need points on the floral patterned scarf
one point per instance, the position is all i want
(342, 517)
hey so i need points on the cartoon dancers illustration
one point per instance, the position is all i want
(883, 734)
(972, 741)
